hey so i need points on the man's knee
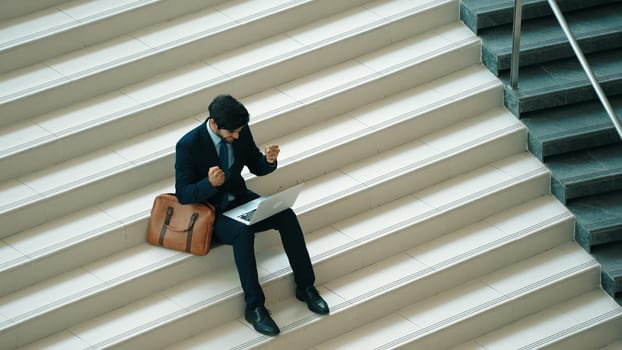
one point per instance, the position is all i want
(235, 235)
(243, 235)
(287, 215)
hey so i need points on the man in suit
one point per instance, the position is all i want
(208, 165)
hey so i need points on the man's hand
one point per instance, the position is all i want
(216, 176)
(272, 152)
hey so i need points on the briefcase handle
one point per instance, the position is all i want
(166, 225)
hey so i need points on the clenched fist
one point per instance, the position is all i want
(272, 152)
(216, 176)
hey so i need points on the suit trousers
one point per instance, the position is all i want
(242, 238)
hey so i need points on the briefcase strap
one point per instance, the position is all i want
(193, 219)
(167, 221)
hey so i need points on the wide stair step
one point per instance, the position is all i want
(563, 82)
(347, 281)
(109, 66)
(542, 39)
(122, 167)
(333, 196)
(441, 321)
(571, 128)
(577, 323)
(608, 255)
(49, 31)
(365, 137)
(477, 14)
(586, 173)
(347, 38)
(599, 219)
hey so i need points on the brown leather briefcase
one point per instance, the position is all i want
(183, 227)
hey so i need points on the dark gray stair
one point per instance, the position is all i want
(571, 128)
(543, 40)
(609, 257)
(585, 173)
(478, 14)
(563, 82)
(568, 128)
(599, 219)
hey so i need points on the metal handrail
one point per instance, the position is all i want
(516, 29)
(575, 47)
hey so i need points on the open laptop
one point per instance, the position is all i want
(264, 206)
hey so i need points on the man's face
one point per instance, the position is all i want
(228, 135)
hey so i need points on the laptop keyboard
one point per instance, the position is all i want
(247, 216)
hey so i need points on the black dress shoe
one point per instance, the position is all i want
(260, 318)
(314, 301)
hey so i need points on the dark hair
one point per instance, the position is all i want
(228, 113)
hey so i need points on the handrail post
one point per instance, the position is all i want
(516, 29)
(585, 65)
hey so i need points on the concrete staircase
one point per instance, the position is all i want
(568, 127)
(429, 223)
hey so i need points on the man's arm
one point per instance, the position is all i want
(189, 186)
(258, 163)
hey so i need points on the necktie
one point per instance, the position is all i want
(224, 165)
(224, 157)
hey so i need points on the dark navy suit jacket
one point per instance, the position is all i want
(196, 154)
